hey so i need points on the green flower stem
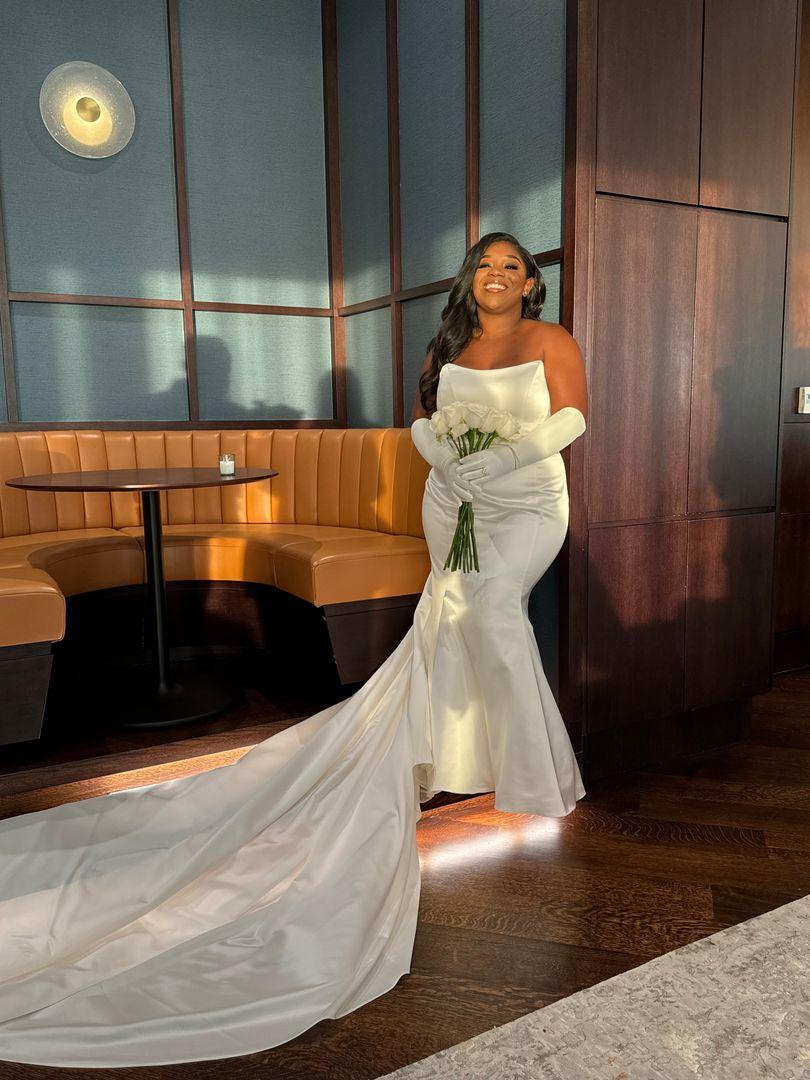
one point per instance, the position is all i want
(463, 551)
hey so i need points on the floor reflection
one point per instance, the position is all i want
(451, 838)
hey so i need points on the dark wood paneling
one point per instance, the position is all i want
(797, 284)
(662, 740)
(364, 633)
(728, 608)
(734, 428)
(792, 590)
(636, 584)
(794, 491)
(648, 126)
(791, 650)
(578, 231)
(642, 316)
(748, 70)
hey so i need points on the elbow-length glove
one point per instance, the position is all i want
(547, 438)
(441, 456)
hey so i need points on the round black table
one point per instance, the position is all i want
(169, 697)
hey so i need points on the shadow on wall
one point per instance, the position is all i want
(679, 609)
(215, 381)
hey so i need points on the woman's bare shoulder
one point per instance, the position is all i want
(553, 341)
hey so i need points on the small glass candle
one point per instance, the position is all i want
(227, 464)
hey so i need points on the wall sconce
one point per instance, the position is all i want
(86, 110)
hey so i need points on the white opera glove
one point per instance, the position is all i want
(442, 457)
(547, 438)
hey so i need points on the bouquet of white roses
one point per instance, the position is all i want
(470, 426)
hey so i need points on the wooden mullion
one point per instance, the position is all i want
(394, 214)
(472, 98)
(154, 302)
(549, 258)
(374, 304)
(178, 130)
(98, 301)
(248, 424)
(259, 309)
(333, 209)
(9, 376)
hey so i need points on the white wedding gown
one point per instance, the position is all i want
(225, 913)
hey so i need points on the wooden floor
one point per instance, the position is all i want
(516, 910)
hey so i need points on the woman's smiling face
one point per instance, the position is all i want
(500, 278)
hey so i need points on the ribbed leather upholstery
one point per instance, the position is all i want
(341, 521)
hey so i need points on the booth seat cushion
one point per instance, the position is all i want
(78, 560)
(324, 564)
(32, 607)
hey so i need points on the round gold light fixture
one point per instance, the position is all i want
(86, 109)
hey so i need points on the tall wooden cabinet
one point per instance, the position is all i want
(684, 137)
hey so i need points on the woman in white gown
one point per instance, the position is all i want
(226, 913)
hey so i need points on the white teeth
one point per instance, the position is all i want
(493, 288)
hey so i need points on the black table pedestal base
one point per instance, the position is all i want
(197, 691)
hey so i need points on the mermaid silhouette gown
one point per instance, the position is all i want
(226, 913)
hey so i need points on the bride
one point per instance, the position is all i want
(226, 913)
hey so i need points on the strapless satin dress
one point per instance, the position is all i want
(226, 913)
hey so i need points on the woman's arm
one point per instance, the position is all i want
(565, 371)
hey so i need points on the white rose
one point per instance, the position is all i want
(457, 430)
(488, 420)
(438, 423)
(475, 412)
(495, 419)
(507, 427)
(454, 413)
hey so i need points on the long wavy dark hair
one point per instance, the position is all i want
(460, 314)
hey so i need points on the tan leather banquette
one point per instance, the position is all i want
(340, 523)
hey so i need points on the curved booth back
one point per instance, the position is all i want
(361, 478)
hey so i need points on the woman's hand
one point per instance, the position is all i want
(486, 465)
(461, 487)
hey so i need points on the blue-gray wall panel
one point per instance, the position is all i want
(363, 108)
(76, 362)
(75, 225)
(551, 309)
(420, 320)
(263, 367)
(255, 153)
(368, 369)
(432, 139)
(523, 120)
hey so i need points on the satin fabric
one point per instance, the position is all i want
(226, 913)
